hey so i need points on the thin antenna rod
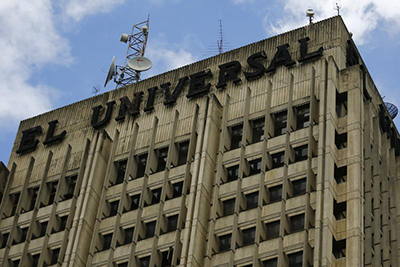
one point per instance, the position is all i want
(220, 42)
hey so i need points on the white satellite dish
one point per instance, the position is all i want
(124, 38)
(140, 63)
(111, 72)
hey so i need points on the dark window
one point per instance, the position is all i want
(113, 208)
(156, 196)
(71, 183)
(296, 259)
(54, 256)
(33, 193)
(141, 161)
(341, 104)
(258, 130)
(128, 236)
(53, 189)
(35, 260)
(167, 258)
(124, 264)
(339, 210)
(280, 123)
(162, 155)
(14, 202)
(228, 207)
(145, 261)
(15, 263)
(183, 149)
(42, 230)
(225, 242)
(275, 193)
(4, 238)
(134, 203)
(339, 248)
(121, 169)
(233, 173)
(107, 241)
(249, 236)
(299, 186)
(63, 222)
(150, 229)
(273, 229)
(271, 263)
(302, 116)
(252, 200)
(278, 159)
(22, 237)
(177, 189)
(297, 223)
(172, 223)
(340, 174)
(236, 136)
(340, 140)
(255, 166)
(300, 153)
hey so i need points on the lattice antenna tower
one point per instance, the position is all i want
(220, 42)
(137, 42)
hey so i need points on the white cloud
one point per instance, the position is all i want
(78, 9)
(28, 41)
(361, 16)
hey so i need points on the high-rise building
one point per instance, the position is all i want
(278, 153)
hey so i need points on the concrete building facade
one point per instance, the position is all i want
(278, 153)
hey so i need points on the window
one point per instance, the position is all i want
(156, 196)
(113, 208)
(22, 235)
(145, 261)
(71, 183)
(162, 155)
(52, 187)
(121, 169)
(35, 260)
(258, 130)
(302, 116)
(278, 159)
(225, 242)
(14, 202)
(128, 236)
(166, 260)
(141, 165)
(339, 248)
(280, 120)
(177, 189)
(295, 259)
(228, 207)
(300, 153)
(297, 223)
(236, 136)
(340, 140)
(183, 150)
(340, 174)
(150, 229)
(271, 263)
(299, 186)
(233, 173)
(124, 264)
(275, 193)
(15, 263)
(339, 209)
(33, 193)
(134, 203)
(255, 166)
(54, 256)
(63, 222)
(252, 200)
(341, 104)
(4, 238)
(249, 236)
(172, 223)
(42, 230)
(107, 241)
(273, 229)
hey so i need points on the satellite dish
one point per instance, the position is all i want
(392, 109)
(310, 12)
(111, 72)
(139, 63)
(124, 38)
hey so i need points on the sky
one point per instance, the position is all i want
(53, 53)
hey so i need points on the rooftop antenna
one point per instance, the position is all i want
(135, 62)
(337, 5)
(310, 14)
(220, 42)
